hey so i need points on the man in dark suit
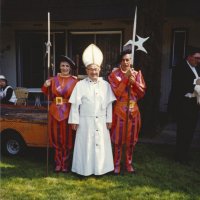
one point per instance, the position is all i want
(183, 101)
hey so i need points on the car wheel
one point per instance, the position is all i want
(13, 145)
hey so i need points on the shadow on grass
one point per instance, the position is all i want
(157, 173)
(32, 163)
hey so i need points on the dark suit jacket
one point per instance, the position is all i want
(182, 83)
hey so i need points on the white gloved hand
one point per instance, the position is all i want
(47, 83)
(198, 99)
(197, 93)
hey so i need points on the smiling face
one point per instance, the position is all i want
(65, 68)
(93, 72)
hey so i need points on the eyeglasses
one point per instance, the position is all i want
(93, 70)
(127, 60)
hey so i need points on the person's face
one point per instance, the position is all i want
(126, 62)
(93, 72)
(196, 56)
(2, 83)
(65, 68)
(194, 60)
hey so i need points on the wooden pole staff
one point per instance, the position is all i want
(48, 45)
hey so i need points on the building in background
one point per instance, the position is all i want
(171, 26)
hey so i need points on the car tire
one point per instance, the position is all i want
(12, 144)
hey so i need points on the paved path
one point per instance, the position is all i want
(168, 136)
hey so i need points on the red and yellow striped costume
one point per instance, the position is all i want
(60, 132)
(120, 85)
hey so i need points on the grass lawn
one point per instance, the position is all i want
(158, 177)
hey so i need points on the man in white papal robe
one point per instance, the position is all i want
(91, 117)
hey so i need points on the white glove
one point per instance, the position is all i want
(197, 93)
(198, 100)
(47, 83)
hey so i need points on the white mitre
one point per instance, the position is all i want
(92, 55)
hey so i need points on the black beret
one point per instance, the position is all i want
(63, 58)
(122, 54)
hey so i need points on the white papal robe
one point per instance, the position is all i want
(91, 109)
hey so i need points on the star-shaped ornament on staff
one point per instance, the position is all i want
(132, 43)
(138, 43)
